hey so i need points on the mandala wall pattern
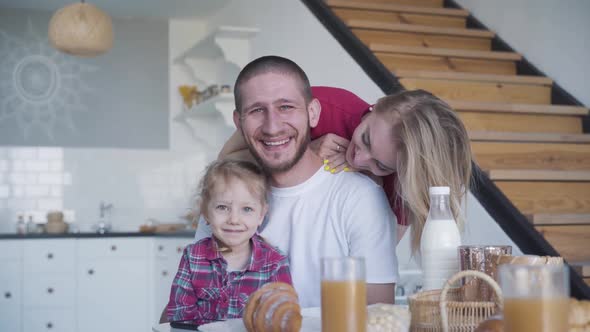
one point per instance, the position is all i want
(40, 88)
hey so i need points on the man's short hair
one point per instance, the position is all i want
(271, 63)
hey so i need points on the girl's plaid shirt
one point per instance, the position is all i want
(203, 290)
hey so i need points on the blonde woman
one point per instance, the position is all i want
(407, 142)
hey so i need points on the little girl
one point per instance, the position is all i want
(217, 274)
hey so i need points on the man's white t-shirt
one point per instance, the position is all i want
(330, 215)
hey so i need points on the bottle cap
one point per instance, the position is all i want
(439, 190)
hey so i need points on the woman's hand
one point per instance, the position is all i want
(332, 149)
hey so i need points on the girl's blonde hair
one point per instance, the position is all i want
(433, 150)
(222, 171)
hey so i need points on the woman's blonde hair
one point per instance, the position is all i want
(433, 150)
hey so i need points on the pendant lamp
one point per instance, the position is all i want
(81, 29)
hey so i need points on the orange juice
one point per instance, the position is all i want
(536, 315)
(344, 306)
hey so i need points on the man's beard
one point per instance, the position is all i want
(287, 165)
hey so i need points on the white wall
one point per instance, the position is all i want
(552, 35)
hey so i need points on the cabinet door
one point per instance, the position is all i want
(168, 253)
(10, 295)
(164, 275)
(49, 320)
(113, 295)
(49, 256)
(48, 290)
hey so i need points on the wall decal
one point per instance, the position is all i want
(39, 86)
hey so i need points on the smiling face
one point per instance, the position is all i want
(372, 147)
(234, 213)
(275, 119)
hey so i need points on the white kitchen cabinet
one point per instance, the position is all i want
(86, 284)
(10, 295)
(10, 285)
(167, 253)
(113, 285)
(49, 256)
(49, 285)
(49, 320)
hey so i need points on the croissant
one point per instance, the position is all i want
(273, 308)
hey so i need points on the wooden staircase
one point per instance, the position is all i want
(534, 151)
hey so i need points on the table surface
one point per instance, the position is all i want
(311, 323)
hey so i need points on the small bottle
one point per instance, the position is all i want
(21, 226)
(439, 241)
(31, 227)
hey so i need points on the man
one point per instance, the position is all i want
(313, 213)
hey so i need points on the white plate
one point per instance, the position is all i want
(311, 322)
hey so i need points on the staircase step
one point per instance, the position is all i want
(496, 136)
(445, 52)
(538, 175)
(444, 63)
(347, 14)
(482, 91)
(559, 156)
(559, 219)
(521, 123)
(570, 241)
(532, 197)
(400, 62)
(373, 5)
(420, 39)
(476, 106)
(417, 3)
(420, 29)
(476, 77)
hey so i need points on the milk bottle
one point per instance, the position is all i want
(439, 241)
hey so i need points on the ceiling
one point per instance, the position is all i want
(162, 9)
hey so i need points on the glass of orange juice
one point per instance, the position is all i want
(536, 297)
(344, 294)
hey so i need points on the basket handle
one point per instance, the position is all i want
(453, 279)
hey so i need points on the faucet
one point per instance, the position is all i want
(102, 226)
(103, 208)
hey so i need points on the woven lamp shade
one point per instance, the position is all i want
(81, 29)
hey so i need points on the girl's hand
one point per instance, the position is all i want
(332, 149)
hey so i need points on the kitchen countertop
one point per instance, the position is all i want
(85, 235)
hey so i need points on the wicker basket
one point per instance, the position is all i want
(444, 311)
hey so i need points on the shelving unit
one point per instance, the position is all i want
(222, 103)
(216, 60)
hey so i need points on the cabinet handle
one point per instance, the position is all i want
(50, 290)
(164, 273)
(91, 271)
(113, 248)
(49, 256)
(7, 295)
(49, 325)
(160, 248)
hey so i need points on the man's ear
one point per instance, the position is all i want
(237, 120)
(314, 109)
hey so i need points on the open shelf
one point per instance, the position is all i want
(222, 103)
(216, 44)
(215, 59)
